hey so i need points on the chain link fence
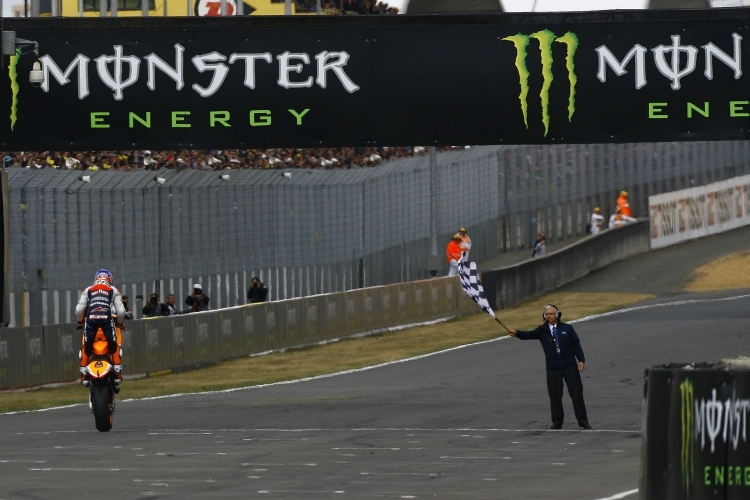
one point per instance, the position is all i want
(307, 232)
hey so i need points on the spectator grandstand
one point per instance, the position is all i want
(275, 158)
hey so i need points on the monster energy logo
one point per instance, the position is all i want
(545, 39)
(687, 399)
(13, 73)
(711, 421)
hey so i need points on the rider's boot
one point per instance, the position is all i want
(118, 378)
(83, 356)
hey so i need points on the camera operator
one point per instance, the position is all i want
(154, 307)
(198, 301)
(258, 292)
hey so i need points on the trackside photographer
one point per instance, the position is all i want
(155, 307)
(258, 292)
(198, 301)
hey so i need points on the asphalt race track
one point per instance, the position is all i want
(469, 423)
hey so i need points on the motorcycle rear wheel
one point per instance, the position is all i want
(100, 395)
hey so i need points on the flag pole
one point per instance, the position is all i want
(501, 324)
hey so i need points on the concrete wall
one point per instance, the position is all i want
(511, 285)
(38, 355)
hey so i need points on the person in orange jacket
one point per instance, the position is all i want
(454, 255)
(622, 203)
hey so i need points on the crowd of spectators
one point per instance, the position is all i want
(345, 7)
(322, 158)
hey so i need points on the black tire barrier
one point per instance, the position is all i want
(695, 433)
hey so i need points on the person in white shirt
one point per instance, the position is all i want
(618, 219)
(597, 220)
(465, 242)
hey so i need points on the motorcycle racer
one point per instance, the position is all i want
(96, 307)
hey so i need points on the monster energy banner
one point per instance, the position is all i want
(400, 81)
(695, 439)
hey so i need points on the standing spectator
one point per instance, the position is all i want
(128, 312)
(171, 307)
(148, 161)
(597, 219)
(198, 300)
(453, 256)
(618, 219)
(465, 242)
(155, 307)
(623, 205)
(540, 246)
(561, 348)
(258, 292)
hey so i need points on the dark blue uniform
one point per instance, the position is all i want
(561, 354)
(570, 345)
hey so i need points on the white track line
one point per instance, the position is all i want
(389, 363)
(621, 495)
(335, 430)
(652, 306)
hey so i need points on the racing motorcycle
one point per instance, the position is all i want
(101, 374)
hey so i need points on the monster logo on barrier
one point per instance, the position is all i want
(726, 420)
(695, 434)
(687, 427)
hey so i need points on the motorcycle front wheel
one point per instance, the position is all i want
(100, 395)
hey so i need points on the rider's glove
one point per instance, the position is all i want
(120, 325)
(80, 325)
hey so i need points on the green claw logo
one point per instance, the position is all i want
(687, 400)
(545, 39)
(13, 73)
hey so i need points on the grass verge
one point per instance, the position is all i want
(338, 356)
(730, 271)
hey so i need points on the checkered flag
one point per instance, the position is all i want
(467, 272)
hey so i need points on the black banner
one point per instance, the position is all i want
(375, 82)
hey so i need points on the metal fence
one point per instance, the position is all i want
(315, 231)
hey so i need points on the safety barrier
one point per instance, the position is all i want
(694, 440)
(41, 355)
(511, 285)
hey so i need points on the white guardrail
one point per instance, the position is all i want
(699, 211)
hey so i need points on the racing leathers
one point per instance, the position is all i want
(96, 308)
